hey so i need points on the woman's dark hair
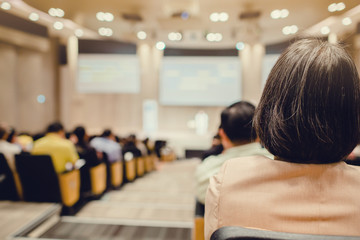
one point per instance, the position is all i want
(236, 121)
(79, 131)
(310, 107)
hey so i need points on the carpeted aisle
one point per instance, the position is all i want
(159, 205)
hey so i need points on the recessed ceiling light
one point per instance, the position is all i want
(240, 46)
(325, 30)
(79, 32)
(5, 6)
(290, 30)
(58, 25)
(56, 12)
(346, 21)
(277, 14)
(105, 16)
(160, 45)
(105, 31)
(174, 36)
(336, 7)
(214, 17)
(214, 37)
(223, 16)
(34, 16)
(141, 35)
(284, 13)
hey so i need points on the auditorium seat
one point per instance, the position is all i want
(140, 166)
(98, 179)
(240, 233)
(198, 230)
(149, 166)
(130, 167)
(116, 174)
(7, 182)
(41, 183)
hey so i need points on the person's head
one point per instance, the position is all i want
(11, 136)
(3, 132)
(56, 127)
(80, 134)
(309, 111)
(236, 123)
(108, 134)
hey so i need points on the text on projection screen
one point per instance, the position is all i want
(200, 81)
(108, 73)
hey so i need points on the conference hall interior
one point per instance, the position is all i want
(154, 75)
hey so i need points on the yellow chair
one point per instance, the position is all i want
(140, 166)
(130, 170)
(116, 171)
(69, 183)
(198, 230)
(98, 179)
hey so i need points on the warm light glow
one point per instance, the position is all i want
(346, 21)
(79, 32)
(34, 16)
(105, 16)
(6, 6)
(56, 12)
(325, 30)
(175, 36)
(219, 17)
(141, 35)
(214, 37)
(240, 46)
(108, 32)
(336, 7)
(214, 17)
(160, 45)
(290, 30)
(58, 25)
(277, 14)
(223, 17)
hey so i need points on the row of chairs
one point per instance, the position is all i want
(35, 179)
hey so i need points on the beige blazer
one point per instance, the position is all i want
(259, 192)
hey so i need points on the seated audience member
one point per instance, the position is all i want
(106, 143)
(83, 147)
(308, 117)
(8, 149)
(130, 146)
(215, 149)
(61, 150)
(25, 141)
(236, 136)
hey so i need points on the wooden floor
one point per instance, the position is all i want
(159, 205)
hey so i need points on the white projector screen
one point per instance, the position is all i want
(108, 73)
(200, 81)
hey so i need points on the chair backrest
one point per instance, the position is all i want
(240, 233)
(7, 183)
(38, 178)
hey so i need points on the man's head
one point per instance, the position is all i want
(56, 127)
(236, 123)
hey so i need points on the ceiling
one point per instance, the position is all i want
(160, 17)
